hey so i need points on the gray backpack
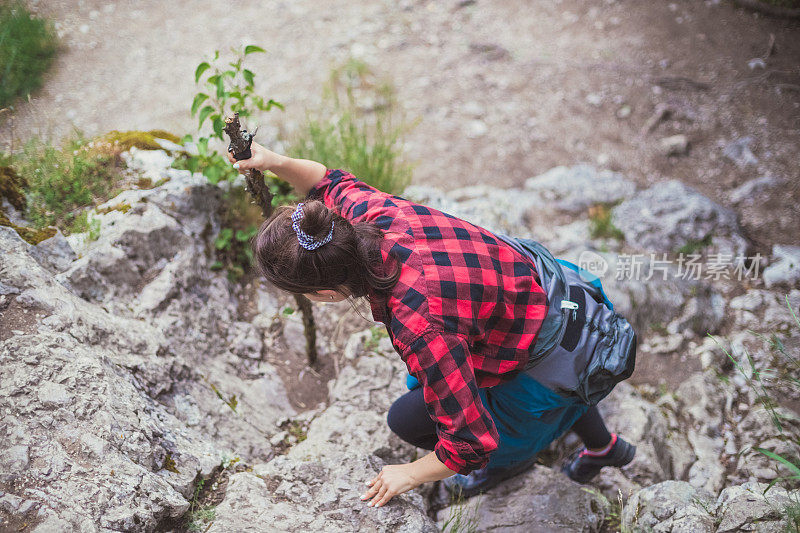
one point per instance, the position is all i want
(584, 348)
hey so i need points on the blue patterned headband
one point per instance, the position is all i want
(307, 241)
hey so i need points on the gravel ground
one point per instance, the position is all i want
(501, 90)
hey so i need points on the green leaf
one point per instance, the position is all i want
(214, 174)
(219, 125)
(224, 238)
(199, 99)
(795, 469)
(216, 55)
(272, 103)
(202, 146)
(192, 164)
(187, 138)
(202, 67)
(251, 49)
(220, 87)
(216, 265)
(207, 110)
(249, 76)
(229, 73)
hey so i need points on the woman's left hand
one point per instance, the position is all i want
(390, 482)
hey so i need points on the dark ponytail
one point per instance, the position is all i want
(351, 260)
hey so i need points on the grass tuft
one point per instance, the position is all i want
(27, 47)
(463, 517)
(360, 131)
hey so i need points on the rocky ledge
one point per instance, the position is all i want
(130, 381)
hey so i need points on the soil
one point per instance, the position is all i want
(16, 319)
(499, 91)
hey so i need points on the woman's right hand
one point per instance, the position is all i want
(261, 159)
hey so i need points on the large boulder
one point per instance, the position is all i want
(754, 507)
(499, 210)
(671, 216)
(315, 495)
(575, 189)
(670, 507)
(541, 499)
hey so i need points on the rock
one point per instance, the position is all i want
(132, 247)
(541, 500)
(758, 430)
(670, 216)
(594, 99)
(659, 452)
(747, 192)
(702, 400)
(707, 472)
(748, 508)
(702, 314)
(55, 253)
(785, 266)
(739, 152)
(91, 435)
(575, 189)
(528, 212)
(491, 51)
(647, 290)
(136, 378)
(674, 145)
(360, 399)
(317, 484)
(497, 210)
(670, 506)
(287, 495)
(476, 128)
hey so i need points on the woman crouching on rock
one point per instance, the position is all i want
(465, 309)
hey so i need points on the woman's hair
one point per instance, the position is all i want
(351, 260)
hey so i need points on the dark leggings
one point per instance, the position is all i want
(409, 419)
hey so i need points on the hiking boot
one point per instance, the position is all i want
(583, 465)
(483, 479)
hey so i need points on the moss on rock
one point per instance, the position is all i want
(30, 235)
(123, 207)
(11, 186)
(115, 142)
(144, 140)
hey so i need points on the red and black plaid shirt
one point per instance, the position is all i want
(465, 311)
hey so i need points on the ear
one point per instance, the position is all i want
(327, 293)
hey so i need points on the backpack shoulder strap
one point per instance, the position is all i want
(554, 283)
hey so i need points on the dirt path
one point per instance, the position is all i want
(503, 89)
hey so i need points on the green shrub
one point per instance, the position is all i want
(27, 47)
(359, 130)
(227, 88)
(601, 225)
(63, 181)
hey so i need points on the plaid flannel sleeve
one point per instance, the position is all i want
(466, 431)
(351, 197)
